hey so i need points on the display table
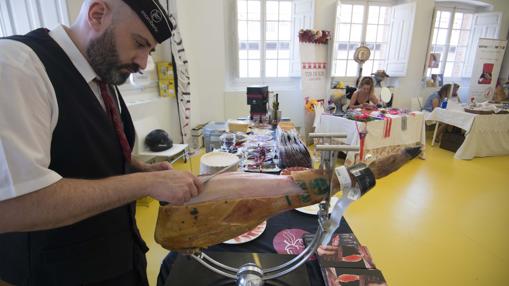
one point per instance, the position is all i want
(383, 138)
(282, 235)
(485, 135)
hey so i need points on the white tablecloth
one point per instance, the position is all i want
(458, 118)
(376, 144)
(486, 135)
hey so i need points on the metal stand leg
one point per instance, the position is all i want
(435, 133)
(188, 157)
(252, 275)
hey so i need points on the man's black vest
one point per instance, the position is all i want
(84, 145)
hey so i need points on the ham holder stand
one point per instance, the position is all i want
(250, 274)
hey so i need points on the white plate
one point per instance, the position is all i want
(313, 210)
(248, 236)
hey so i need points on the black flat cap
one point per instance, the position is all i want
(153, 15)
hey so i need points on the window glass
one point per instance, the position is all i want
(253, 68)
(450, 40)
(358, 14)
(272, 10)
(270, 53)
(242, 10)
(351, 31)
(285, 11)
(253, 10)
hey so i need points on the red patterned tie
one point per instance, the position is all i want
(115, 118)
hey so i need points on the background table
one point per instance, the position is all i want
(485, 135)
(287, 225)
(377, 144)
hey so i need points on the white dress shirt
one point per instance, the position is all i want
(29, 112)
(5, 175)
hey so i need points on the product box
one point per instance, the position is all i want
(198, 130)
(350, 265)
(238, 126)
(166, 88)
(164, 71)
(349, 254)
(333, 276)
(166, 79)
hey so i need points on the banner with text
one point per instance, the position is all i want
(313, 45)
(487, 64)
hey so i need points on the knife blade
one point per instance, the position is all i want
(205, 179)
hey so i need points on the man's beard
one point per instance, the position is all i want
(103, 57)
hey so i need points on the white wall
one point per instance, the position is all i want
(503, 5)
(325, 14)
(504, 71)
(74, 8)
(202, 29)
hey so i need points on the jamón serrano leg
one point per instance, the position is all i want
(234, 203)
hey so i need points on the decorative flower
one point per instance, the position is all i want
(314, 36)
(310, 104)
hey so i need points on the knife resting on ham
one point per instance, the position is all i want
(236, 202)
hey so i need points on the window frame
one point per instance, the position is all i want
(37, 14)
(233, 81)
(443, 58)
(366, 4)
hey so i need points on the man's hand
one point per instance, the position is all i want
(175, 187)
(160, 166)
(71, 200)
(144, 167)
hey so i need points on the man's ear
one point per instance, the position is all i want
(97, 12)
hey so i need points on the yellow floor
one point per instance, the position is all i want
(438, 221)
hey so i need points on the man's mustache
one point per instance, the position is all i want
(133, 68)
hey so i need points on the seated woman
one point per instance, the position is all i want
(436, 98)
(365, 94)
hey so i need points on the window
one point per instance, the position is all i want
(356, 24)
(265, 38)
(454, 39)
(20, 17)
(450, 42)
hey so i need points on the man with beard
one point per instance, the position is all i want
(67, 210)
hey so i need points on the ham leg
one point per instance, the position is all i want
(234, 203)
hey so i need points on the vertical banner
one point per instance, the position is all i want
(487, 64)
(313, 45)
(183, 83)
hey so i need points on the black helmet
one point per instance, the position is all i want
(158, 140)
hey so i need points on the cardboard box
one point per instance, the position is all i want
(238, 126)
(333, 276)
(197, 131)
(350, 253)
(166, 88)
(164, 71)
